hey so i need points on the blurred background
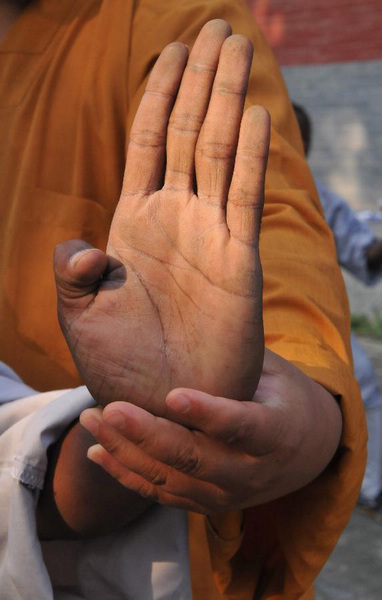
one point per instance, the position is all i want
(331, 57)
(330, 52)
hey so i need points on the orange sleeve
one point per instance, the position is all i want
(306, 319)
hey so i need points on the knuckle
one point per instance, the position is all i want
(227, 89)
(221, 502)
(200, 68)
(185, 123)
(237, 435)
(154, 474)
(187, 461)
(147, 490)
(215, 150)
(147, 138)
(246, 199)
(113, 446)
(238, 431)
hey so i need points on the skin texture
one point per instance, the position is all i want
(79, 499)
(180, 287)
(218, 454)
(176, 301)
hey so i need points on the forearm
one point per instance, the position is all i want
(79, 498)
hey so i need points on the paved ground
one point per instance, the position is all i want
(354, 571)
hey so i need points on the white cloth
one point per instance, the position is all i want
(147, 560)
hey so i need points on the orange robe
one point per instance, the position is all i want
(71, 77)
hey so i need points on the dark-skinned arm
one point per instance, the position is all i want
(79, 498)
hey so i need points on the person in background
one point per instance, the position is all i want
(359, 251)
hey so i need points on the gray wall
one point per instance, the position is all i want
(345, 104)
(344, 101)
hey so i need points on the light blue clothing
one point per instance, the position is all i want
(372, 480)
(352, 238)
(11, 386)
(147, 560)
(366, 376)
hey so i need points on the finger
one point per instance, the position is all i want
(78, 269)
(162, 444)
(246, 193)
(81, 270)
(135, 459)
(135, 437)
(216, 147)
(113, 436)
(146, 152)
(145, 488)
(246, 426)
(191, 104)
(167, 442)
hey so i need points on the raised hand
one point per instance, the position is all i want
(217, 454)
(177, 300)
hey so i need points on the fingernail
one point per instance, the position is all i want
(76, 257)
(179, 403)
(93, 453)
(91, 424)
(115, 418)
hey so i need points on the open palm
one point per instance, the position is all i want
(177, 300)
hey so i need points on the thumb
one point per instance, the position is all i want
(78, 269)
(247, 426)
